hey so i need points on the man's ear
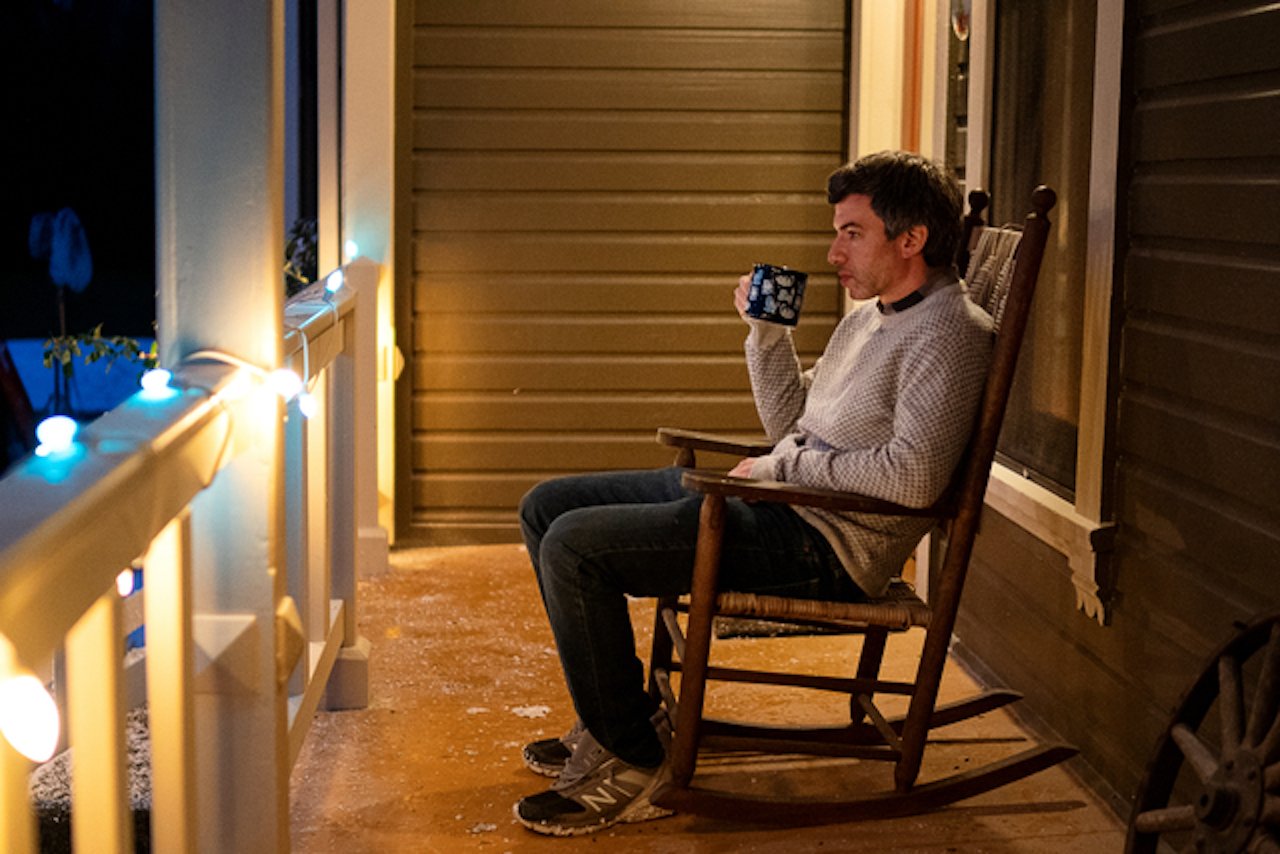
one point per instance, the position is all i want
(911, 241)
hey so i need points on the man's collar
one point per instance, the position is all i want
(935, 282)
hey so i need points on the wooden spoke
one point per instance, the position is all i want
(1262, 716)
(1197, 753)
(1231, 703)
(1166, 819)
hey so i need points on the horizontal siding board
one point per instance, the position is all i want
(444, 452)
(584, 253)
(1204, 528)
(621, 172)
(1219, 43)
(1182, 284)
(589, 89)
(1231, 210)
(1240, 125)
(459, 412)
(1200, 368)
(637, 130)
(651, 48)
(452, 372)
(673, 334)
(1189, 443)
(589, 14)
(504, 213)
(630, 293)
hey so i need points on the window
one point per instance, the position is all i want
(1043, 107)
(1043, 89)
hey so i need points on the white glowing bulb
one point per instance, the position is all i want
(333, 282)
(352, 249)
(55, 434)
(307, 404)
(285, 383)
(155, 383)
(124, 583)
(28, 717)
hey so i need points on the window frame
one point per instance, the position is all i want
(1077, 528)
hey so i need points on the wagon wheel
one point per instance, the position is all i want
(1228, 798)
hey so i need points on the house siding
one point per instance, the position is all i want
(1196, 411)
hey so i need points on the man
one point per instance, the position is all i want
(885, 412)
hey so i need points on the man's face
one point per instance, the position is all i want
(867, 263)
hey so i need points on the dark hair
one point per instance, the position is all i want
(906, 190)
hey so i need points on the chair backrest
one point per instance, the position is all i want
(1004, 267)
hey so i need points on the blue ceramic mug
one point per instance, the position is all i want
(776, 294)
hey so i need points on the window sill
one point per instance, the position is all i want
(1059, 524)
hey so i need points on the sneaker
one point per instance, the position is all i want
(548, 756)
(595, 790)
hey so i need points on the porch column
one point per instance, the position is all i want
(220, 238)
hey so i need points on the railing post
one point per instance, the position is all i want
(353, 481)
(220, 245)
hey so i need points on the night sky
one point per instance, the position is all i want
(77, 78)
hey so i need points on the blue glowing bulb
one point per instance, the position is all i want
(156, 381)
(333, 282)
(55, 434)
(352, 249)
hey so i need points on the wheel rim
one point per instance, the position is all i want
(1228, 796)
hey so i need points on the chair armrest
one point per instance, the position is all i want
(713, 483)
(695, 441)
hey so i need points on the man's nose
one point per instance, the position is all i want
(834, 255)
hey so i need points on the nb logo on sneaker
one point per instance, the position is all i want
(602, 797)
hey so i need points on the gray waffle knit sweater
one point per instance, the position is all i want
(885, 412)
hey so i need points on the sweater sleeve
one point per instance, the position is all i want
(779, 386)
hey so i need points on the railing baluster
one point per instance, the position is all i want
(169, 668)
(99, 783)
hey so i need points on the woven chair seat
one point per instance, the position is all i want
(899, 608)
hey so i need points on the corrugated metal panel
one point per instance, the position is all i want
(589, 179)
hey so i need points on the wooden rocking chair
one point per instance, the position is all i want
(1002, 277)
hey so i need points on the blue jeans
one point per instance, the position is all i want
(596, 539)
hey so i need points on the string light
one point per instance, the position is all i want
(352, 249)
(55, 435)
(28, 717)
(334, 281)
(124, 583)
(155, 384)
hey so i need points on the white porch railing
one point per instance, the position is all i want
(136, 486)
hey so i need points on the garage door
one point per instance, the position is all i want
(589, 179)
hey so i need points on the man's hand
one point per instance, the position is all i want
(740, 295)
(743, 468)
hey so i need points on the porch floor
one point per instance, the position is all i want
(464, 671)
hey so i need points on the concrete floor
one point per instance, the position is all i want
(464, 672)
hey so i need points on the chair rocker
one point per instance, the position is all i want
(1003, 270)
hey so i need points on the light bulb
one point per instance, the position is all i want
(306, 404)
(352, 249)
(28, 717)
(55, 434)
(155, 384)
(285, 383)
(333, 282)
(124, 583)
